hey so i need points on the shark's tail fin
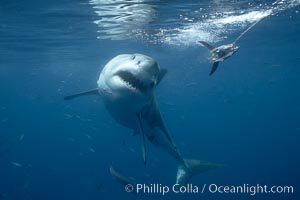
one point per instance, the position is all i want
(192, 167)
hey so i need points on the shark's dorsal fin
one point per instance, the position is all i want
(214, 68)
(161, 74)
(210, 47)
(88, 92)
(142, 135)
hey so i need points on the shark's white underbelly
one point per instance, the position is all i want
(123, 113)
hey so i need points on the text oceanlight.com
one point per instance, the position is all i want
(208, 188)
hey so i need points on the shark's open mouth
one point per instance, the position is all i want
(131, 81)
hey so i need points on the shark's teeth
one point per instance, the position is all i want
(128, 84)
(131, 81)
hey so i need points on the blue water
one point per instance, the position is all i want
(246, 116)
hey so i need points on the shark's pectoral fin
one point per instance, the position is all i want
(214, 68)
(93, 91)
(142, 135)
(169, 137)
(159, 133)
(210, 47)
(161, 74)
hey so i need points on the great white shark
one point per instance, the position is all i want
(127, 86)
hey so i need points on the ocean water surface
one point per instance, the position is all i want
(246, 116)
